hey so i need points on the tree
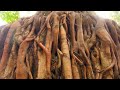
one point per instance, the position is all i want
(115, 15)
(60, 45)
(9, 16)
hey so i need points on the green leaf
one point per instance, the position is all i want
(115, 15)
(9, 16)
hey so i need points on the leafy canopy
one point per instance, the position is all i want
(9, 16)
(115, 15)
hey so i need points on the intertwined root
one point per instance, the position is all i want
(60, 45)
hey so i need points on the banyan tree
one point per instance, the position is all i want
(60, 45)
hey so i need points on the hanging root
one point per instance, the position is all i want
(7, 45)
(66, 57)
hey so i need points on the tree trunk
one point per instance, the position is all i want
(60, 45)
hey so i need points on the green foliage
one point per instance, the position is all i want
(115, 15)
(9, 16)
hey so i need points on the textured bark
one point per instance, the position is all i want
(66, 57)
(3, 34)
(60, 45)
(7, 45)
(21, 71)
